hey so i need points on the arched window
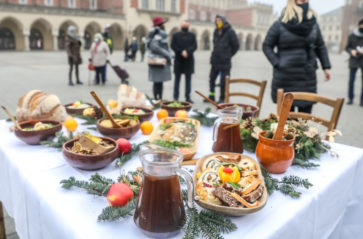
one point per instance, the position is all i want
(36, 39)
(7, 39)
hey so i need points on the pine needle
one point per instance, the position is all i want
(113, 213)
(203, 117)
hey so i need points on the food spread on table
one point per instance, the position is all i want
(175, 104)
(39, 126)
(134, 111)
(79, 105)
(88, 144)
(230, 180)
(122, 122)
(38, 105)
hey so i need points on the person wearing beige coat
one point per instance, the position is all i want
(99, 57)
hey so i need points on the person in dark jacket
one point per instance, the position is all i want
(355, 50)
(225, 46)
(73, 48)
(134, 47)
(298, 40)
(126, 49)
(183, 43)
(108, 38)
(143, 48)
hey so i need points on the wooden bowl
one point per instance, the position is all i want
(76, 111)
(187, 155)
(230, 211)
(35, 137)
(246, 114)
(116, 133)
(172, 110)
(145, 117)
(276, 156)
(89, 162)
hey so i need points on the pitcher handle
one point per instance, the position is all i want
(215, 134)
(190, 185)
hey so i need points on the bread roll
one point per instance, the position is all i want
(38, 105)
(130, 96)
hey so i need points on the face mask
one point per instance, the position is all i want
(305, 8)
(361, 30)
(185, 29)
(96, 40)
(219, 25)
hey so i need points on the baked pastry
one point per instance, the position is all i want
(211, 162)
(130, 96)
(38, 105)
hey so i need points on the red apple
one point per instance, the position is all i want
(119, 194)
(124, 145)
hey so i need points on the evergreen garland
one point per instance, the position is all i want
(287, 185)
(114, 213)
(59, 140)
(135, 148)
(203, 117)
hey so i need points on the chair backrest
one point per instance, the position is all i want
(258, 98)
(336, 104)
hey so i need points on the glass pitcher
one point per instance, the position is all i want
(160, 211)
(226, 131)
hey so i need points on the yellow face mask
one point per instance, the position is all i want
(219, 25)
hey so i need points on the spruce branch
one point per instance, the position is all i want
(58, 141)
(135, 148)
(113, 213)
(203, 117)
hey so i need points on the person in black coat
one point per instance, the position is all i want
(184, 44)
(298, 40)
(225, 46)
(355, 50)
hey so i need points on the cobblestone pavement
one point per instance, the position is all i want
(23, 71)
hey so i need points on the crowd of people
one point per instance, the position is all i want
(293, 45)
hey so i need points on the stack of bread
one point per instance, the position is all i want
(129, 96)
(38, 105)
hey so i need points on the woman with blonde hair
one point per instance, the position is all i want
(99, 56)
(299, 42)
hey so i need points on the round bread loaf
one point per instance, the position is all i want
(38, 105)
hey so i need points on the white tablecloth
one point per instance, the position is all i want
(31, 193)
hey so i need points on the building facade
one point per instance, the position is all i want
(42, 24)
(352, 13)
(331, 28)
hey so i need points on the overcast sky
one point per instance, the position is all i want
(321, 6)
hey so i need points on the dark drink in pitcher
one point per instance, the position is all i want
(160, 211)
(228, 139)
(226, 132)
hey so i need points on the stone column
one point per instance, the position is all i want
(55, 39)
(26, 34)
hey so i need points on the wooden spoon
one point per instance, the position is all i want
(103, 108)
(285, 110)
(209, 100)
(11, 117)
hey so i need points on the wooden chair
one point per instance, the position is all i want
(258, 98)
(2, 222)
(336, 104)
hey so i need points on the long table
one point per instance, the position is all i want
(31, 193)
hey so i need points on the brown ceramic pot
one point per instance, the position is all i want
(89, 162)
(116, 133)
(72, 111)
(246, 114)
(172, 110)
(276, 156)
(145, 117)
(35, 137)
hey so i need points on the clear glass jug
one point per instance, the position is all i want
(160, 210)
(226, 131)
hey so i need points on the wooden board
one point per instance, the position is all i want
(230, 211)
(155, 136)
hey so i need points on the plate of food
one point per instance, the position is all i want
(77, 107)
(34, 131)
(129, 127)
(179, 134)
(173, 106)
(229, 183)
(143, 113)
(89, 152)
